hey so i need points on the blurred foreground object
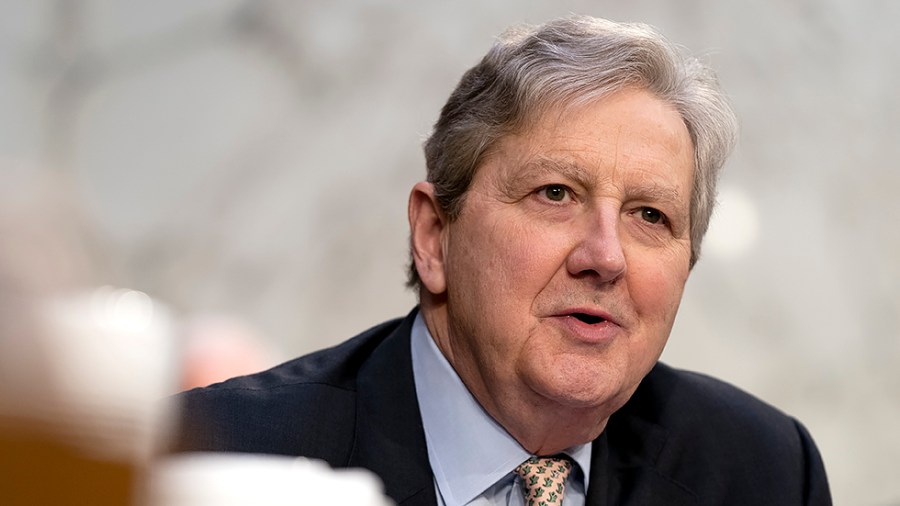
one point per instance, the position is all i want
(218, 347)
(85, 371)
(82, 415)
(218, 479)
(82, 370)
(110, 360)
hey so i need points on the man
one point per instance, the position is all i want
(571, 177)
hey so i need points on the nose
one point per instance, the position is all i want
(598, 253)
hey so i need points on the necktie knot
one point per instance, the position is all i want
(544, 479)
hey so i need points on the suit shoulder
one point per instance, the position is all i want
(712, 428)
(700, 409)
(303, 407)
(685, 397)
(334, 367)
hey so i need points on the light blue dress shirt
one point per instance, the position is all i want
(473, 458)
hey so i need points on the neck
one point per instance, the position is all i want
(540, 425)
(547, 427)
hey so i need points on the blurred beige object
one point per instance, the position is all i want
(218, 347)
(219, 479)
(45, 250)
(81, 369)
(110, 359)
(84, 423)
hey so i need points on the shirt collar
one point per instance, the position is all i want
(468, 450)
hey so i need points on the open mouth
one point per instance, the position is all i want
(588, 318)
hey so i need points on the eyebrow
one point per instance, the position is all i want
(644, 189)
(655, 192)
(542, 166)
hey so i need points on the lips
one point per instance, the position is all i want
(589, 316)
(588, 325)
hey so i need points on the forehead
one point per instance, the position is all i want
(629, 137)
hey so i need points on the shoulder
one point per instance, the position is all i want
(684, 400)
(719, 439)
(303, 407)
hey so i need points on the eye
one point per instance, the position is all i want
(555, 192)
(651, 215)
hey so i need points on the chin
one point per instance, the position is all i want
(592, 394)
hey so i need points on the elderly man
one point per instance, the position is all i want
(571, 177)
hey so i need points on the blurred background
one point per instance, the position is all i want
(247, 163)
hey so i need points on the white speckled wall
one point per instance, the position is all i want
(255, 158)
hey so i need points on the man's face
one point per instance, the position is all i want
(566, 266)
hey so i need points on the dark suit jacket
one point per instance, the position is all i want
(682, 439)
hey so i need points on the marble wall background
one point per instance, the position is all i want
(254, 158)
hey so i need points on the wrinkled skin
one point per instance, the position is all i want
(554, 291)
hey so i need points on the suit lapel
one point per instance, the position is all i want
(598, 491)
(623, 466)
(390, 440)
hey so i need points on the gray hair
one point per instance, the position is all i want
(571, 62)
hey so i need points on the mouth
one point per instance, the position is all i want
(589, 316)
(589, 325)
(590, 319)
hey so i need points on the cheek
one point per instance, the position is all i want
(516, 259)
(656, 290)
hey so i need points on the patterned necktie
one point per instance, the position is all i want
(545, 479)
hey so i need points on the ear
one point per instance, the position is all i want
(426, 227)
